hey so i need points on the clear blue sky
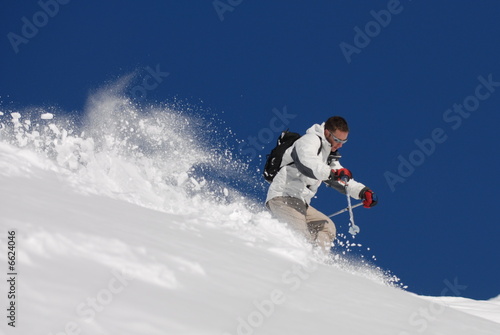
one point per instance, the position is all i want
(418, 82)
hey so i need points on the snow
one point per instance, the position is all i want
(486, 309)
(47, 116)
(124, 231)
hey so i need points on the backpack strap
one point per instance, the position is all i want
(320, 145)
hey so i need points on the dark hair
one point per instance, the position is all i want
(337, 122)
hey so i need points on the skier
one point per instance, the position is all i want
(313, 159)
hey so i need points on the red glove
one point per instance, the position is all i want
(341, 174)
(370, 199)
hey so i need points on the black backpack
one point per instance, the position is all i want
(273, 162)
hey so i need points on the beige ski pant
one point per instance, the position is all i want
(315, 226)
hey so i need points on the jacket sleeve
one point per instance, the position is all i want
(354, 189)
(305, 156)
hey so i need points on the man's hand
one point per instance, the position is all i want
(369, 198)
(341, 174)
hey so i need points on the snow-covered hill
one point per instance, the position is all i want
(130, 225)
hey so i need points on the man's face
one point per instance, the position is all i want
(336, 138)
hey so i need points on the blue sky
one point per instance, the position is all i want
(418, 82)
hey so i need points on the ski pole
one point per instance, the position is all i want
(344, 210)
(353, 230)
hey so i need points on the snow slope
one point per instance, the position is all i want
(130, 225)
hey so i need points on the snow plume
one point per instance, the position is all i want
(165, 157)
(153, 156)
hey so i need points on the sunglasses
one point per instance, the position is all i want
(336, 139)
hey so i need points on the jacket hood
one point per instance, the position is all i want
(319, 129)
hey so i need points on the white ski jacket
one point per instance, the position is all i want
(304, 167)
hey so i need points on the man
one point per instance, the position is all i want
(311, 160)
